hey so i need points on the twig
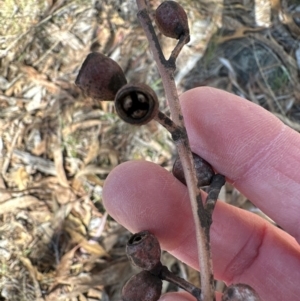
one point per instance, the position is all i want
(167, 123)
(166, 69)
(182, 41)
(213, 192)
(167, 275)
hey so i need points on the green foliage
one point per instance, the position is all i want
(278, 79)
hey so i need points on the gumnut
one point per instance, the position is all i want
(136, 103)
(240, 292)
(171, 20)
(100, 77)
(142, 287)
(144, 251)
(204, 171)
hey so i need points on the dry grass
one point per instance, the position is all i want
(57, 147)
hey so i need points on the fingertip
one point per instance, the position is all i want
(183, 296)
(177, 296)
(226, 129)
(123, 184)
(133, 198)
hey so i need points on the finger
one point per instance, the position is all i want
(251, 147)
(183, 296)
(141, 195)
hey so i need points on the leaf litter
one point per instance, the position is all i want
(57, 146)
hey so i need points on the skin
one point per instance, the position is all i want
(260, 156)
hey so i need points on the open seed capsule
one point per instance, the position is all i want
(144, 251)
(136, 103)
(100, 77)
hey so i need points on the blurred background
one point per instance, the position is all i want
(57, 146)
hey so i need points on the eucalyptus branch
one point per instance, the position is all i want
(166, 69)
(102, 78)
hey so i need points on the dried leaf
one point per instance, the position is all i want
(60, 215)
(83, 211)
(5, 252)
(64, 266)
(22, 202)
(35, 276)
(93, 152)
(95, 180)
(75, 223)
(238, 34)
(58, 162)
(77, 186)
(113, 158)
(92, 169)
(33, 271)
(20, 177)
(109, 276)
(3, 195)
(90, 247)
(81, 125)
(110, 241)
(64, 195)
(40, 148)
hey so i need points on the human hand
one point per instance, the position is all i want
(260, 156)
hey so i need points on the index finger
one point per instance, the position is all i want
(251, 147)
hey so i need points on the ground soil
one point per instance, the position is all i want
(57, 146)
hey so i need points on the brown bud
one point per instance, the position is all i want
(136, 103)
(240, 292)
(100, 77)
(171, 20)
(144, 251)
(142, 287)
(204, 171)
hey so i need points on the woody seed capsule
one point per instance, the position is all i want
(204, 171)
(240, 292)
(100, 77)
(136, 103)
(171, 20)
(144, 251)
(142, 287)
